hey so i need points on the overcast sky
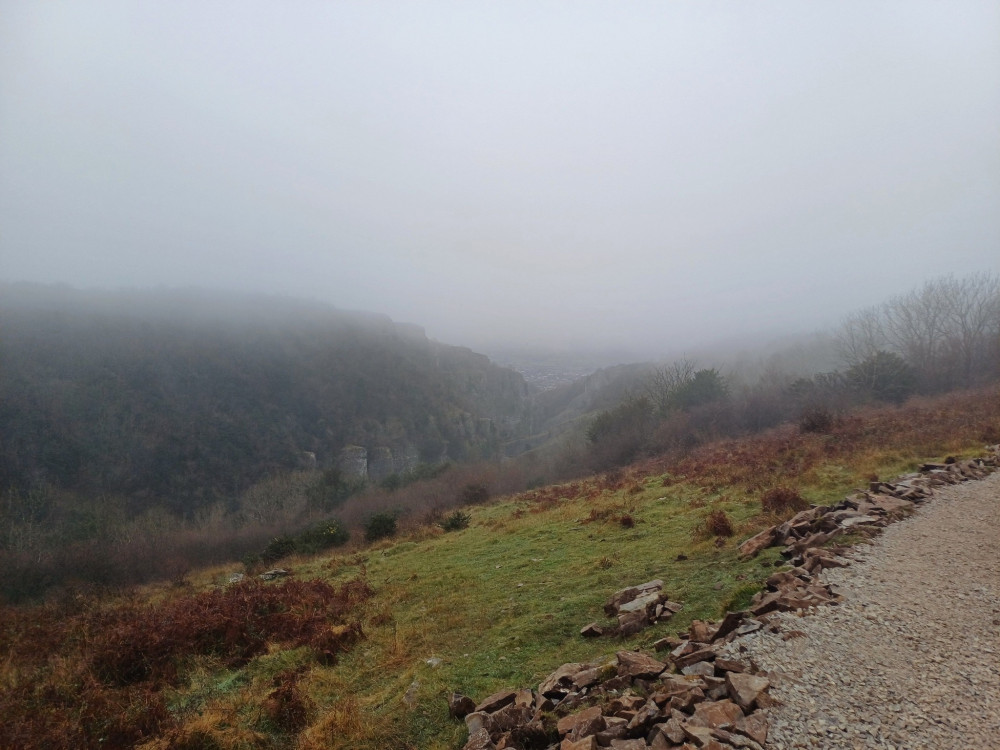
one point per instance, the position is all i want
(548, 173)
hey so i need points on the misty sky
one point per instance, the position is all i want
(539, 172)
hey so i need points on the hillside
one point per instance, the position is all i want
(184, 398)
(361, 648)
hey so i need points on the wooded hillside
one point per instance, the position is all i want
(182, 398)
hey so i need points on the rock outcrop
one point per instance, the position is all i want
(636, 608)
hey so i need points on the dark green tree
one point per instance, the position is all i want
(884, 376)
(704, 387)
(379, 526)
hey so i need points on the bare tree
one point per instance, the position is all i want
(862, 335)
(948, 330)
(972, 312)
(663, 384)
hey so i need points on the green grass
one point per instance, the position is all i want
(502, 602)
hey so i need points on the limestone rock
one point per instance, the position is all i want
(270, 575)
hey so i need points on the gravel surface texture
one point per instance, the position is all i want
(911, 657)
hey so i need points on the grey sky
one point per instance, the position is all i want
(551, 173)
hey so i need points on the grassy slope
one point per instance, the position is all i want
(501, 603)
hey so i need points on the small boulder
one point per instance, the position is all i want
(583, 724)
(644, 603)
(477, 720)
(635, 664)
(745, 689)
(587, 677)
(729, 665)
(753, 726)
(672, 730)
(753, 546)
(497, 701)
(701, 631)
(701, 668)
(479, 740)
(644, 718)
(559, 681)
(509, 717)
(729, 623)
(693, 657)
(715, 714)
(630, 623)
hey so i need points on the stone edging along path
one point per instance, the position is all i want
(713, 688)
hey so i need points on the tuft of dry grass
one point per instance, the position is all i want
(782, 500)
(718, 524)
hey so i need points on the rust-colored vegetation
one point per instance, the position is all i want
(781, 500)
(718, 524)
(286, 709)
(783, 455)
(94, 678)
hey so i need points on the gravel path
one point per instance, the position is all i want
(911, 658)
